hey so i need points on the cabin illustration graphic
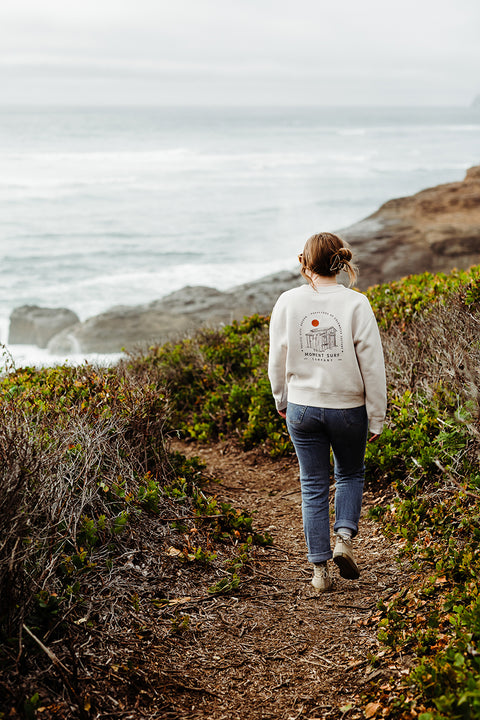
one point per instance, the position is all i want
(320, 339)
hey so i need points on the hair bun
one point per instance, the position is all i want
(339, 259)
(345, 254)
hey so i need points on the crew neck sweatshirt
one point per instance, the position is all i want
(325, 351)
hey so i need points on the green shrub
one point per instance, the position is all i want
(218, 386)
(401, 301)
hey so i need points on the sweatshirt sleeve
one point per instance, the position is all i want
(277, 357)
(368, 347)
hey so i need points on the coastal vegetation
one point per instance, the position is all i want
(110, 536)
(105, 531)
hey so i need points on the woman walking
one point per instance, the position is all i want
(327, 375)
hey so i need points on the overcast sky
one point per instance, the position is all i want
(240, 52)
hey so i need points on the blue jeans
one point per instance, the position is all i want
(313, 431)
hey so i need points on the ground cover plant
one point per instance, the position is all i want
(103, 528)
(430, 454)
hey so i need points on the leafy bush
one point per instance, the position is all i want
(218, 386)
(401, 301)
(76, 443)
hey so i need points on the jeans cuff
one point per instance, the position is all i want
(346, 524)
(319, 557)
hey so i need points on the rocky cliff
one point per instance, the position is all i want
(435, 230)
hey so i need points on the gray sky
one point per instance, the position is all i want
(240, 52)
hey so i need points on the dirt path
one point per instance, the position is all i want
(283, 651)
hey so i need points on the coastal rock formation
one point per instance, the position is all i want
(170, 317)
(117, 329)
(435, 230)
(33, 325)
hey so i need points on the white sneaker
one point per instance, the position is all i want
(321, 580)
(343, 557)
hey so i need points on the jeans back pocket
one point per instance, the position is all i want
(295, 413)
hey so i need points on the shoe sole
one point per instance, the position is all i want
(348, 570)
(322, 589)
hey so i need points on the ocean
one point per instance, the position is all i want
(109, 206)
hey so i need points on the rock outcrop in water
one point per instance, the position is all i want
(33, 325)
(435, 230)
(171, 317)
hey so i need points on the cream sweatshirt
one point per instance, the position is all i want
(325, 351)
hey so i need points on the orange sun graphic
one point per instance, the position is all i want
(315, 323)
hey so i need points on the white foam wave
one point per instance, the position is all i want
(32, 356)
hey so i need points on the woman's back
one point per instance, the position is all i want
(325, 350)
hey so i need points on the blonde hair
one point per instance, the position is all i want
(326, 254)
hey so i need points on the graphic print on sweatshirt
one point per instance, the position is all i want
(321, 337)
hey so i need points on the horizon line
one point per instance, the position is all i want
(236, 106)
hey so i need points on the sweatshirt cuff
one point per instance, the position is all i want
(375, 426)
